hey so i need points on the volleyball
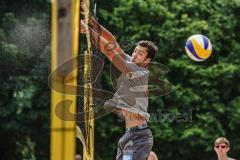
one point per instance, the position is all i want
(198, 47)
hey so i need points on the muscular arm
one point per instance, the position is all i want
(100, 30)
(108, 46)
(116, 56)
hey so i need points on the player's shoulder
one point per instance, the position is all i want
(128, 58)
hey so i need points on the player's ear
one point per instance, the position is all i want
(147, 60)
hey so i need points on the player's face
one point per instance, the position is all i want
(221, 149)
(139, 55)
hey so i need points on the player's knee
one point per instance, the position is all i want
(78, 157)
(152, 156)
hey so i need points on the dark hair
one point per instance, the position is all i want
(151, 48)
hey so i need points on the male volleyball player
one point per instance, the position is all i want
(131, 97)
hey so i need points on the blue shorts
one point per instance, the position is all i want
(135, 145)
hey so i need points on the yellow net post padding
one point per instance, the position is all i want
(64, 46)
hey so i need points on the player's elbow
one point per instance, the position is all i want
(109, 46)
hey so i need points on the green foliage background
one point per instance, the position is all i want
(209, 91)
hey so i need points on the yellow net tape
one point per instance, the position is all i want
(80, 136)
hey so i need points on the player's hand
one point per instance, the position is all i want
(82, 26)
(93, 23)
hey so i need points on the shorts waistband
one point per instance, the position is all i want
(137, 128)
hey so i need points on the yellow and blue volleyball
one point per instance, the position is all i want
(198, 47)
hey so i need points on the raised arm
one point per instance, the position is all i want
(113, 54)
(108, 36)
(109, 47)
(101, 30)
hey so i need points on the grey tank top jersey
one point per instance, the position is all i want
(132, 91)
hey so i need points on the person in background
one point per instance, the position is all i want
(221, 147)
